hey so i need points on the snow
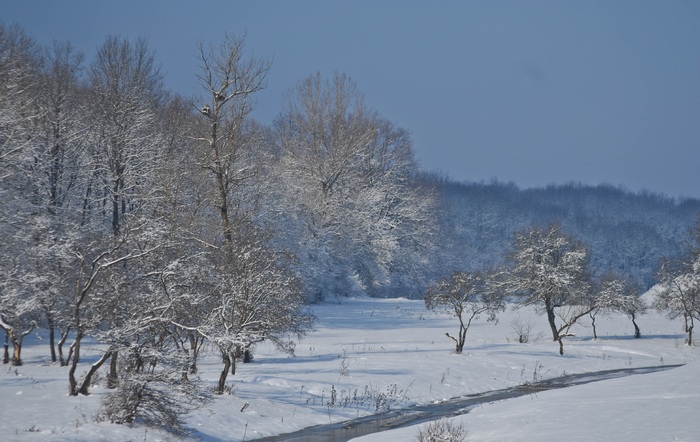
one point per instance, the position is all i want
(653, 407)
(394, 348)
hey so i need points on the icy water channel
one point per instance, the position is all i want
(344, 431)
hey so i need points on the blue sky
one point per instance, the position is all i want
(534, 92)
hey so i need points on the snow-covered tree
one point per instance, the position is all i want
(680, 282)
(250, 294)
(182, 204)
(119, 194)
(550, 271)
(254, 298)
(151, 383)
(55, 179)
(18, 73)
(92, 263)
(680, 294)
(466, 295)
(349, 180)
(17, 319)
(618, 294)
(126, 93)
(229, 79)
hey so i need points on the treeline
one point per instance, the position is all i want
(628, 232)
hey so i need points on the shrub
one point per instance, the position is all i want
(523, 330)
(154, 398)
(442, 430)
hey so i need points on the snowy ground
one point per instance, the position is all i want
(394, 350)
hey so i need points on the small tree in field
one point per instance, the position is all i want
(681, 292)
(465, 295)
(550, 271)
(618, 294)
(680, 280)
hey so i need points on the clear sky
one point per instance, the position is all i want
(534, 92)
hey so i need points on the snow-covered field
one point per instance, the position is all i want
(394, 353)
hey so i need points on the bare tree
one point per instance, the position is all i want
(680, 296)
(150, 385)
(680, 282)
(251, 294)
(126, 88)
(229, 80)
(618, 294)
(11, 314)
(18, 72)
(466, 295)
(86, 311)
(124, 93)
(56, 175)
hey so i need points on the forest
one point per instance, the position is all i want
(624, 231)
(159, 225)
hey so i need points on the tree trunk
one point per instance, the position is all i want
(224, 373)
(637, 332)
(6, 355)
(52, 335)
(17, 344)
(595, 334)
(458, 347)
(64, 336)
(194, 348)
(16, 353)
(551, 317)
(185, 367)
(462, 335)
(70, 354)
(112, 377)
(115, 210)
(690, 333)
(84, 387)
(561, 346)
(75, 353)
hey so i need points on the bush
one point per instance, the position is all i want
(156, 397)
(442, 431)
(523, 330)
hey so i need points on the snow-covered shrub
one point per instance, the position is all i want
(442, 431)
(154, 396)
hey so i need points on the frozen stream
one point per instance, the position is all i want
(344, 431)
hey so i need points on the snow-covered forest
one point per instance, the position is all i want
(161, 230)
(624, 231)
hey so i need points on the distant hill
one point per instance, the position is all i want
(624, 231)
